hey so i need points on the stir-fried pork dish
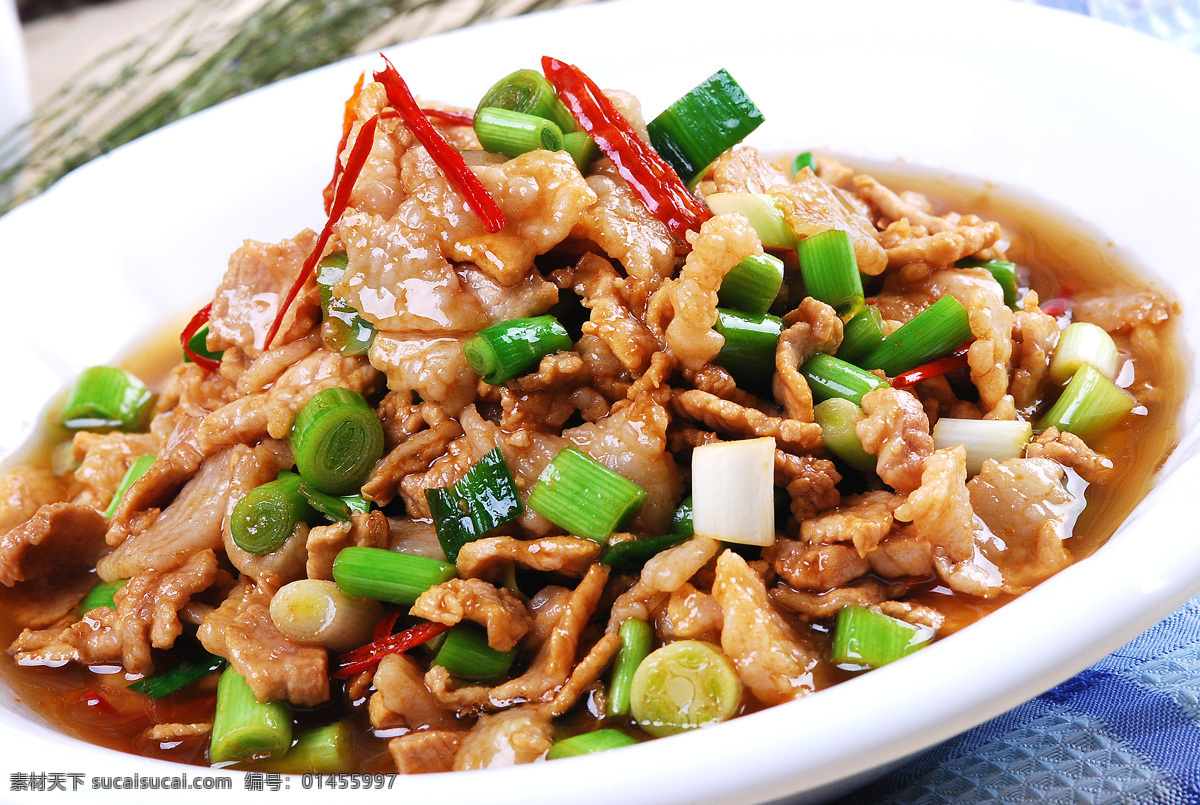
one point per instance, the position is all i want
(568, 431)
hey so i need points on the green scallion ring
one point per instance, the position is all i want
(336, 440)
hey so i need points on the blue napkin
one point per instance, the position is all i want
(1126, 730)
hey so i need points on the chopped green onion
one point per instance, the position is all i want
(268, 514)
(837, 417)
(1081, 343)
(336, 440)
(346, 331)
(578, 493)
(1002, 271)
(585, 743)
(321, 750)
(388, 575)
(861, 334)
(529, 92)
(1090, 405)
(507, 349)
(804, 159)
(245, 728)
(681, 521)
(935, 331)
(136, 470)
(763, 213)
(684, 685)
(190, 670)
(752, 285)
(629, 556)
(481, 501)
(100, 596)
(868, 638)
(703, 124)
(198, 346)
(637, 640)
(830, 271)
(318, 611)
(733, 491)
(1000, 439)
(749, 349)
(465, 653)
(332, 507)
(582, 148)
(830, 377)
(107, 398)
(514, 133)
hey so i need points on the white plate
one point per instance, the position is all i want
(1080, 114)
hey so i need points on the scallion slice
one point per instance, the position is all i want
(578, 493)
(507, 349)
(336, 439)
(763, 213)
(830, 377)
(831, 271)
(1081, 343)
(868, 638)
(267, 515)
(107, 398)
(198, 345)
(582, 148)
(707, 121)
(804, 159)
(191, 669)
(750, 341)
(318, 611)
(1000, 439)
(1002, 271)
(861, 334)
(388, 575)
(1090, 405)
(245, 728)
(585, 743)
(332, 507)
(136, 470)
(637, 640)
(733, 491)
(346, 331)
(752, 285)
(630, 555)
(681, 521)
(529, 92)
(935, 331)
(100, 596)
(481, 501)
(684, 685)
(503, 131)
(465, 653)
(837, 417)
(321, 750)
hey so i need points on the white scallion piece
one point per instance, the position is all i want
(1081, 343)
(316, 611)
(1000, 439)
(733, 496)
(763, 213)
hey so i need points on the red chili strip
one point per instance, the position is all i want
(354, 165)
(449, 116)
(94, 699)
(360, 659)
(199, 320)
(654, 182)
(386, 624)
(1056, 307)
(445, 155)
(955, 360)
(348, 117)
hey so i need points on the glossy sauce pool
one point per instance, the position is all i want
(1056, 258)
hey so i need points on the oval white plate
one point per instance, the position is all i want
(1080, 114)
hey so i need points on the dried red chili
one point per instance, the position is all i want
(445, 155)
(199, 320)
(348, 116)
(948, 363)
(360, 659)
(654, 182)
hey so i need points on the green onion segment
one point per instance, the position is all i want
(1004, 272)
(528, 92)
(1080, 343)
(804, 159)
(332, 507)
(503, 131)
(830, 377)
(582, 148)
(761, 211)
(629, 555)
(637, 640)
(321, 750)
(345, 330)
(318, 611)
(861, 334)
(585, 743)
(578, 493)
(100, 596)
(999, 439)
(1090, 405)
(936, 331)
(107, 398)
(388, 575)
(868, 638)
(192, 668)
(507, 349)
(750, 341)
(481, 501)
(752, 285)
(245, 728)
(136, 470)
(830, 271)
(684, 685)
(465, 653)
(838, 417)
(336, 439)
(268, 514)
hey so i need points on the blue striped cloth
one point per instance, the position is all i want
(1125, 731)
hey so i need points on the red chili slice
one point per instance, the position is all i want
(93, 699)
(653, 181)
(948, 363)
(386, 624)
(199, 320)
(454, 118)
(1056, 307)
(360, 659)
(348, 116)
(445, 155)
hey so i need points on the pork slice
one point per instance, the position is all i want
(894, 428)
(812, 486)
(866, 593)
(863, 520)
(25, 490)
(1122, 310)
(426, 752)
(1035, 334)
(487, 557)
(324, 543)
(103, 462)
(940, 508)
(663, 574)
(58, 537)
(401, 698)
(810, 206)
(586, 674)
(818, 567)
(743, 170)
(813, 327)
(497, 609)
(46, 600)
(412, 456)
(92, 640)
(519, 735)
(690, 614)
(148, 608)
(1070, 451)
(730, 419)
(612, 318)
(430, 364)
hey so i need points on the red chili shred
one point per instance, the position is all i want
(654, 182)
(955, 360)
(348, 116)
(368, 656)
(445, 155)
(199, 320)
(449, 116)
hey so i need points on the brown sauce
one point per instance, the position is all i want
(1055, 256)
